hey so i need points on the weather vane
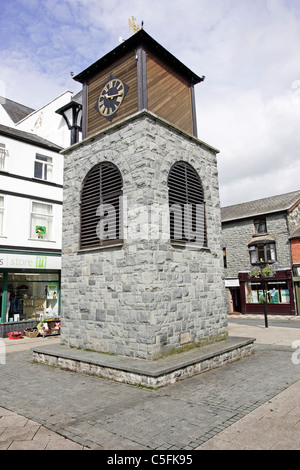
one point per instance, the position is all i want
(131, 22)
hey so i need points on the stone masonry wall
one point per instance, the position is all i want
(146, 298)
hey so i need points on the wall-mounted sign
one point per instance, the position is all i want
(232, 283)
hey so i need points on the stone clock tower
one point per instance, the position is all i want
(142, 259)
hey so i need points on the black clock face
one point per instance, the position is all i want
(111, 97)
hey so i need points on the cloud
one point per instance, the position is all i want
(248, 105)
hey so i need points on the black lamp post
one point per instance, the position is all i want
(265, 271)
(72, 115)
(265, 293)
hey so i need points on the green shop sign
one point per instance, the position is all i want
(41, 262)
(20, 261)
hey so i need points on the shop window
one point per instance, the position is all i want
(101, 211)
(33, 296)
(43, 167)
(260, 225)
(277, 292)
(296, 271)
(1, 214)
(41, 221)
(186, 205)
(262, 253)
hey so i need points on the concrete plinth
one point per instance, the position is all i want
(154, 374)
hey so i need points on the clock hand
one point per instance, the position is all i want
(110, 97)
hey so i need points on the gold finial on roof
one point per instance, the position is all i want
(131, 22)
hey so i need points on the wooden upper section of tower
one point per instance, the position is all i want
(138, 74)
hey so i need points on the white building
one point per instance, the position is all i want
(31, 195)
(57, 120)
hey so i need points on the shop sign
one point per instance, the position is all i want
(232, 283)
(11, 260)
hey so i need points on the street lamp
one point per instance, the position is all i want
(261, 273)
(265, 293)
(72, 114)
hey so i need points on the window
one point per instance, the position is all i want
(260, 225)
(277, 292)
(33, 296)
(101, 214)
(296, 271)
(186, 205)
(1, 214)
(41, 221)
(43, 167)
(2, 156)
(265, 253)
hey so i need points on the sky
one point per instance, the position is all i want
(248, 106)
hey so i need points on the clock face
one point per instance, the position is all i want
(111, 97)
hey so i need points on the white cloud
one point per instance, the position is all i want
(248, 106)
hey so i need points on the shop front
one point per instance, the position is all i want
(278, 290)
(30, 290)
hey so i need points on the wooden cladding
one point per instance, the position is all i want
(126, 70)
(152, 84)
(186, 205)
(101, 207)
(169, 95)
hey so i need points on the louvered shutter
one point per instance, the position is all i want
(186, 205)
(100, 206)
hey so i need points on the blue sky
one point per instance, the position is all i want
(248, 106)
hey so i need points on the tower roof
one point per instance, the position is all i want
(141, 38)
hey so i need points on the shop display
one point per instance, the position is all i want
(277, 292)
(49, 326)
(31, 332)
(32, 296)
(15, 335)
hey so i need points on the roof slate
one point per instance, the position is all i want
(267, 205)
(28, 138)
(16, 111)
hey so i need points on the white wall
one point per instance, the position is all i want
(18, 206)
(17, 225)
(47, 124)
(20, 157)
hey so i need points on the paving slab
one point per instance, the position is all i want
(248, 404)
(20, 433)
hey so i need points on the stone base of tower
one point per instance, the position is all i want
(148, 296)
(154, 374)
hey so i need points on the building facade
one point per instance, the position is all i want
(30, 227)
(295, 254)
(256, 234)
(31, 195)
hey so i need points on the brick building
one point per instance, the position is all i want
(258, 231)
(295, 254)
